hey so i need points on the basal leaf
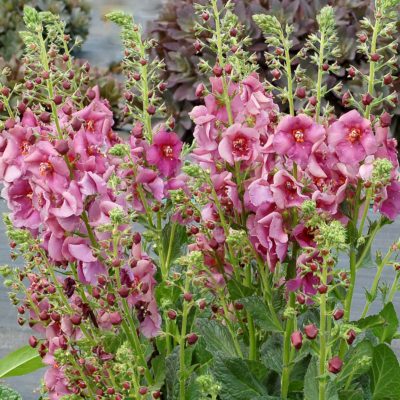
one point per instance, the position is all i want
(7, 393)
(385, 374)
(260, 313)
(240, 379)
(20, 362)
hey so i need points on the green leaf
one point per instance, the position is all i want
(388, 329)
(369, 322)
(237, 290)
(20, 362)
(240, 379)
(172, 371)
(216, 337)
(271, 353)
(385, 374)
(357, 362)
(260, 313)
(311, 384)
(356, 394)
(7, 393)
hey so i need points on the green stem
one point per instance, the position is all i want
(375, 283)
(288, 67)
(371, 77)
(394, 288)
(221, 60)
(182, 339)
(353, 255)
(323, 336)
(365, 212)
(285, 380)
(319, 80)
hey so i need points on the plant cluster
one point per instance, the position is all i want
(154, 269)
(175, 34)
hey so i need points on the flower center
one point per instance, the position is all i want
(168, 151)
(298, 135)
(45, 168)
(240, 146)
(90, 126)
(354, 135)
(24, 148)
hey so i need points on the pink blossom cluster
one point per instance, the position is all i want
(284, 161)
(55, 177)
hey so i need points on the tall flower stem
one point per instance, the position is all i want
(323, 333)
(395, 287)
(319, 79)
(372, 69)
(182, 340)
(288, 68)
(221, 60)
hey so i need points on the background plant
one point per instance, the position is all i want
(175, 33)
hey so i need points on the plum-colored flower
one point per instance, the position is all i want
(268, 235)
(204, 132)
(351, 138)
(295, 137)
(390, 208)
(239, 144)
(286, 191)
(56, 382)
(165, 152)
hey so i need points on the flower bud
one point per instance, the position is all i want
(200, 90)
(66, 109)
(62, 147)
(367, 99)
(205, 16)
(192, 338)
(351, 72)
(115, 318)
(300, 92)
(143, 390)
(300, 298)
(151, 109)
(322, 289)
(335, 365)
(197, 46)
(171, 314)
(276, 73)
(313, 101)
(217, 70)
(311, 331)
(57, 99)
(385, 120)
(124, 291)
(363, 37)
(188, 296)
(228, 69)
(375, 57)
(76, 124)
(387, 79)
(156, 394)
(33, 342)
(351, 336)
(297, 340)
(76, 319)
(338, 314)
(45, 117)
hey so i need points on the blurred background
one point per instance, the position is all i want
(171, 23)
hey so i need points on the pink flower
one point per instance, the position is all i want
(56, 383)
(295, 137)
(239, 144)
(351, 138)
(268, 235)
(204, 132)
(390, 208)
(286, 191)
(165, 152)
